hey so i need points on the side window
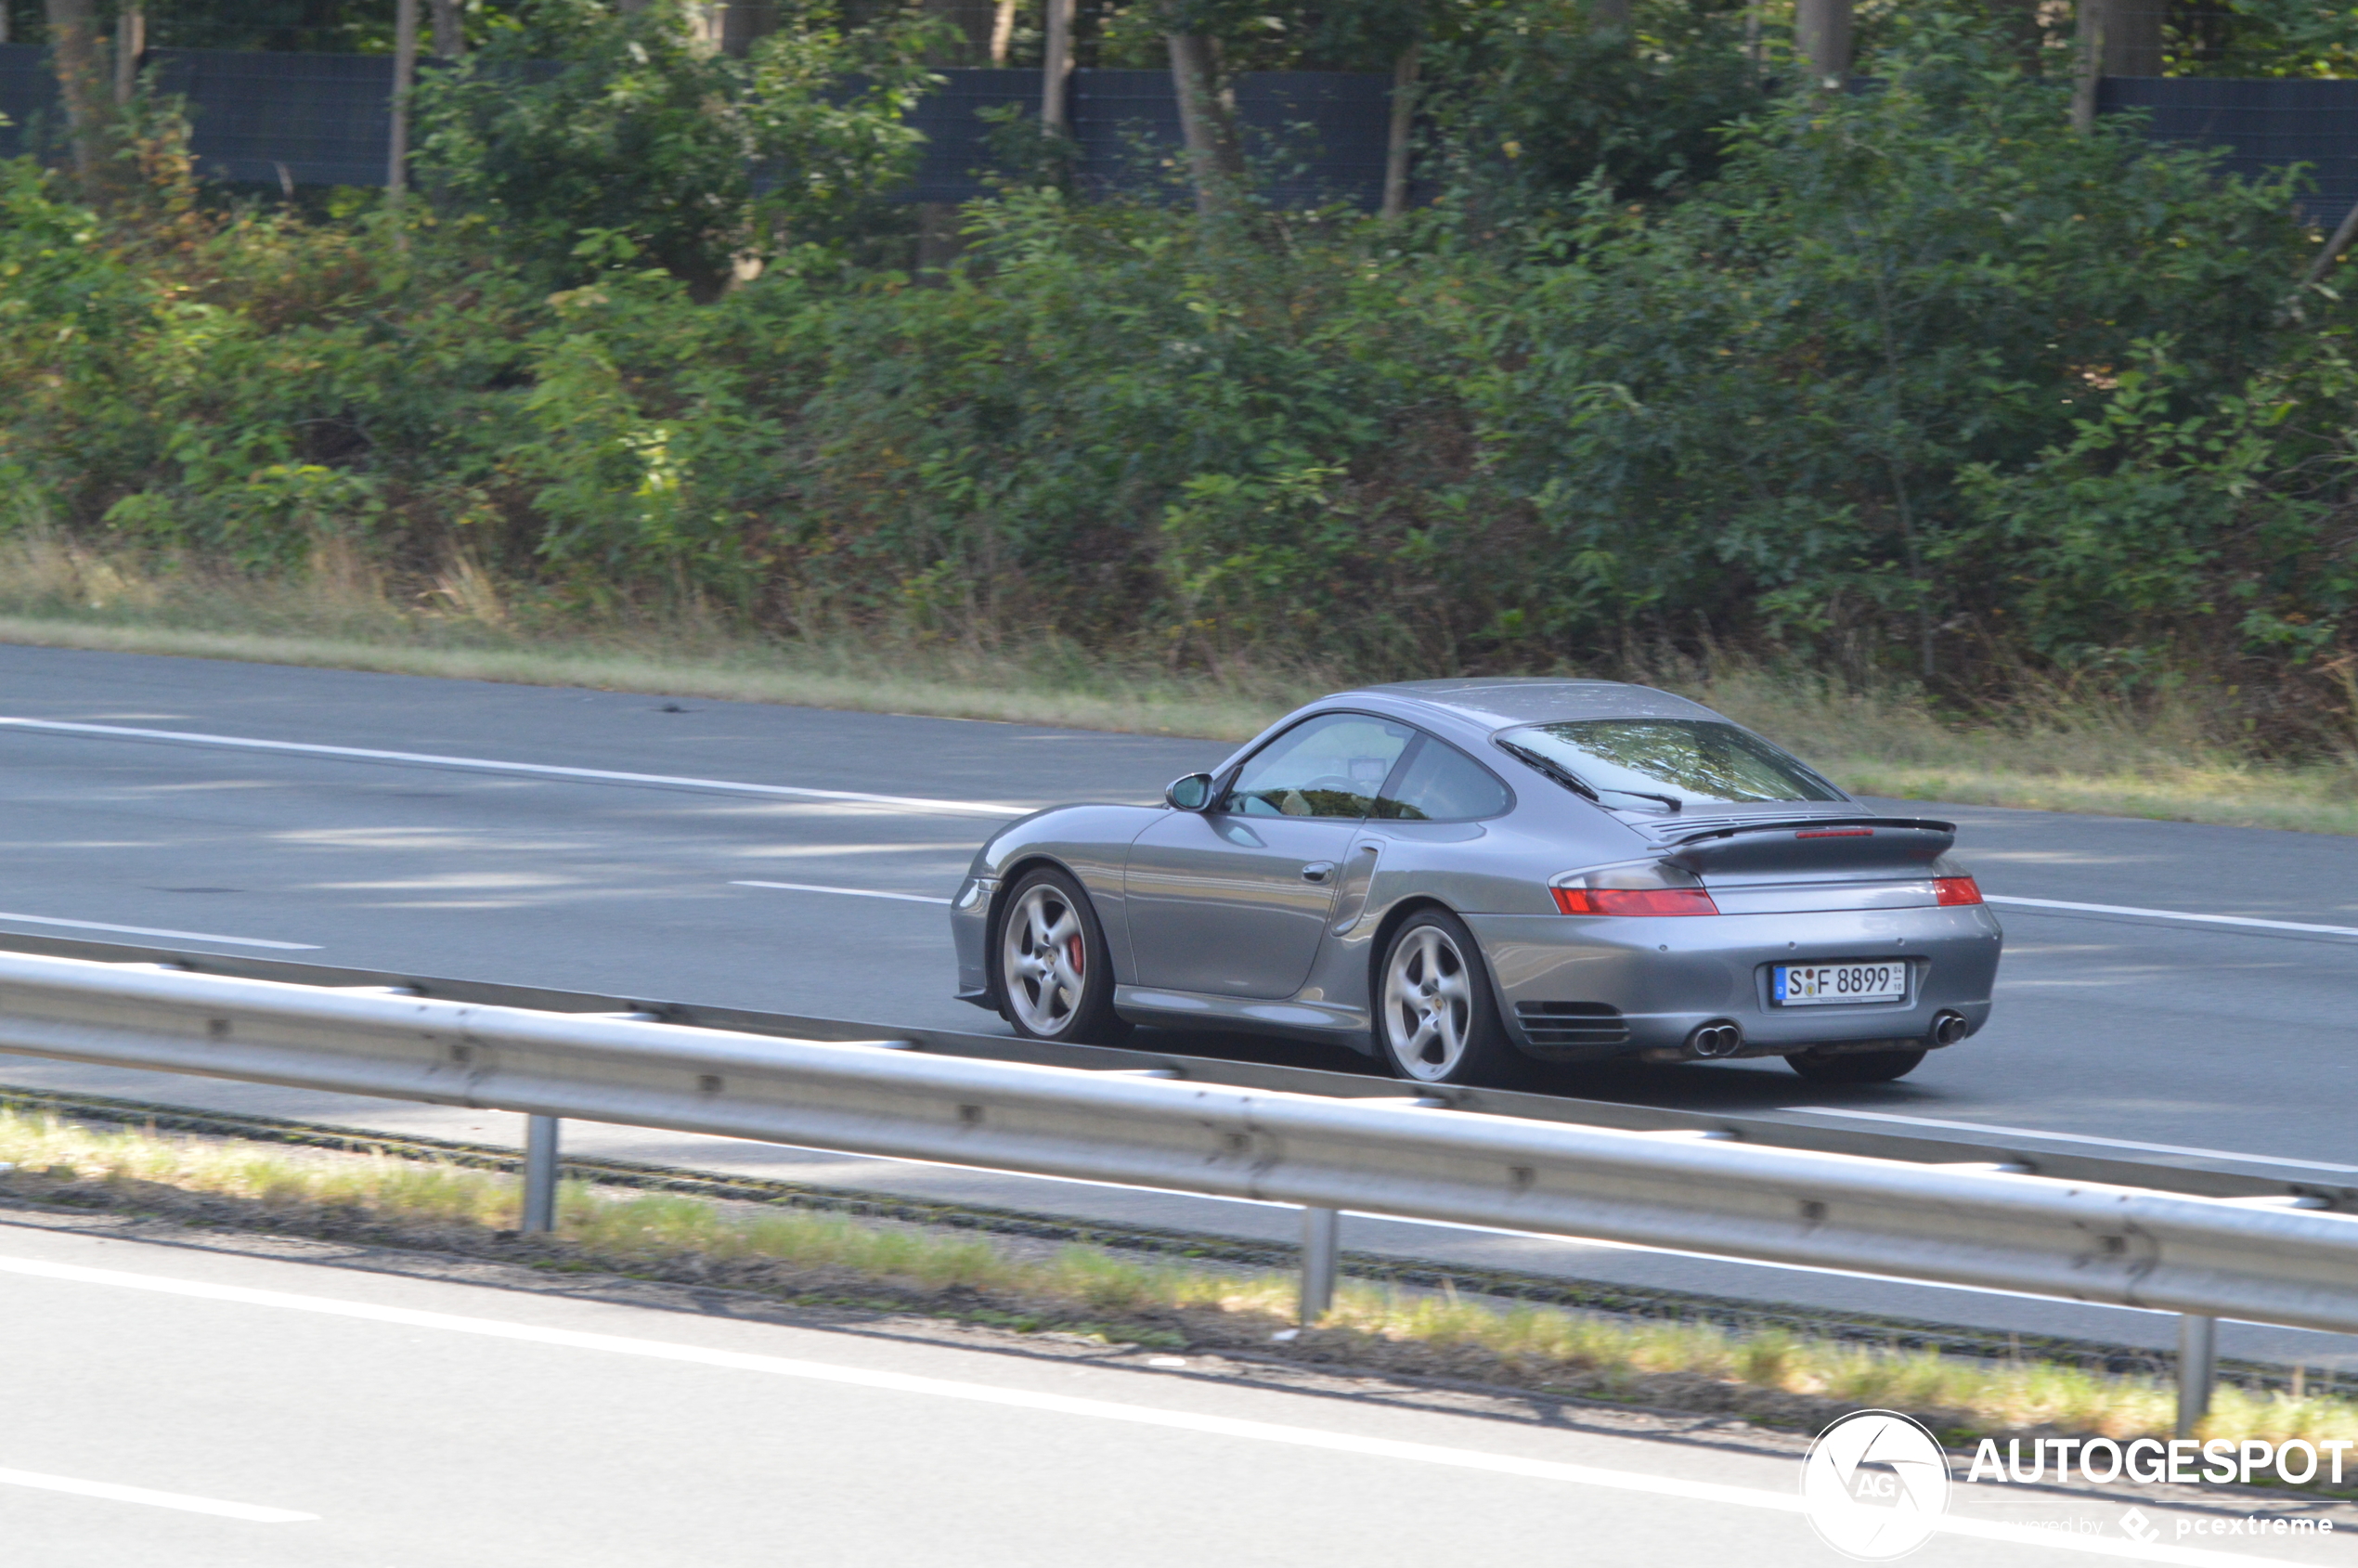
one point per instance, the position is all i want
(1330, 766)
(1442, 785)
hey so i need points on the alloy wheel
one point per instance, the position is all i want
(1044, 959)
(1428, 1004)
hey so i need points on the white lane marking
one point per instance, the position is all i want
(850, 892)
(2172, 914)
(252, 1512)
(537, 770)
(2073, 1138)
(1097, 1409)
(157, 931)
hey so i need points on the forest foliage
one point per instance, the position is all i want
(1912, 381)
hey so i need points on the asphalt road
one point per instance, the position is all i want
(2121, 1028)
(241, 1405)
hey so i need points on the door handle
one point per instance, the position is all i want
(1318, 871)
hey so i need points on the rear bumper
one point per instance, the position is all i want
(1668, 976)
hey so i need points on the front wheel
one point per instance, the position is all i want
(1055, 982)
(1436, 1021)
(1854, 1067)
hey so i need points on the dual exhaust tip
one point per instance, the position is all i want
(1720, 1038)
(1716, 1039)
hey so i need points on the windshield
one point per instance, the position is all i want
(1672, 762)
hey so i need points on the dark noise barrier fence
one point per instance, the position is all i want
(1315, 136)
(283, 119)
(287, 120)
(2264, 123)
(256, 118)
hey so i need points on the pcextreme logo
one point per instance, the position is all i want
(1874, 1486)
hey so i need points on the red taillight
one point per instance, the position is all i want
(1955, 890)
(1634, 900)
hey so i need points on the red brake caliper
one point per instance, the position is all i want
(1075, 951)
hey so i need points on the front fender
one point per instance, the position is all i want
(1091, 843)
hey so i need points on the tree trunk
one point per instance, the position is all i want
(2088, 70)
(2343, 234)
(743, 25)
(1206, 121)
(2123, 36)
(1607, 15)
(2019, 21)
(404, 68)
(73, 42)
(1003, 33)
(1055, 68)
(130, 50)
(940, 238)
(2115, 38)
(1821, 36)
(449, 28)
(1395, 152)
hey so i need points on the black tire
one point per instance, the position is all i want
(1447, 1032)
(1040, 998)
(1854, 1066)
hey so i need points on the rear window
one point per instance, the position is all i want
(1694, 762)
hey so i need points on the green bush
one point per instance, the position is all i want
(595, 137)
(1757, 408)
(1530, 103)
(1917, 382)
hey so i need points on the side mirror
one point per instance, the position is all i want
(1190, 794)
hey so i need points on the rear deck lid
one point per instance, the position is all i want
(1813, 848)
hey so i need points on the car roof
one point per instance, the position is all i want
(1496, 701)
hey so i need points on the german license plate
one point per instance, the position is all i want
(1823, 985)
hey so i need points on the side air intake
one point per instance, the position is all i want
(1583, 1025)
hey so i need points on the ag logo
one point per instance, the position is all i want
(1874, 1486)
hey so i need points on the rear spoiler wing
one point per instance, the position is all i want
(1816, 844)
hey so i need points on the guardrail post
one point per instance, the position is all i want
(1321, 1248)
(2197, 1369)
(539, 1175)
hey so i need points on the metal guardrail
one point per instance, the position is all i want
(2194, 1174)
(2271, 1259)
(1201, 1240)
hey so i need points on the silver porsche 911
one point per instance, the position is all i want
(1462, 876)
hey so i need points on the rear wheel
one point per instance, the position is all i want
(1436, 1021)
(1055, 982)
(1854, 1067)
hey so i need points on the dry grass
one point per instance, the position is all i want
(1073, 1285)
(2059, 751)
(935, 685)
(344, 614)
(2052, 753)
